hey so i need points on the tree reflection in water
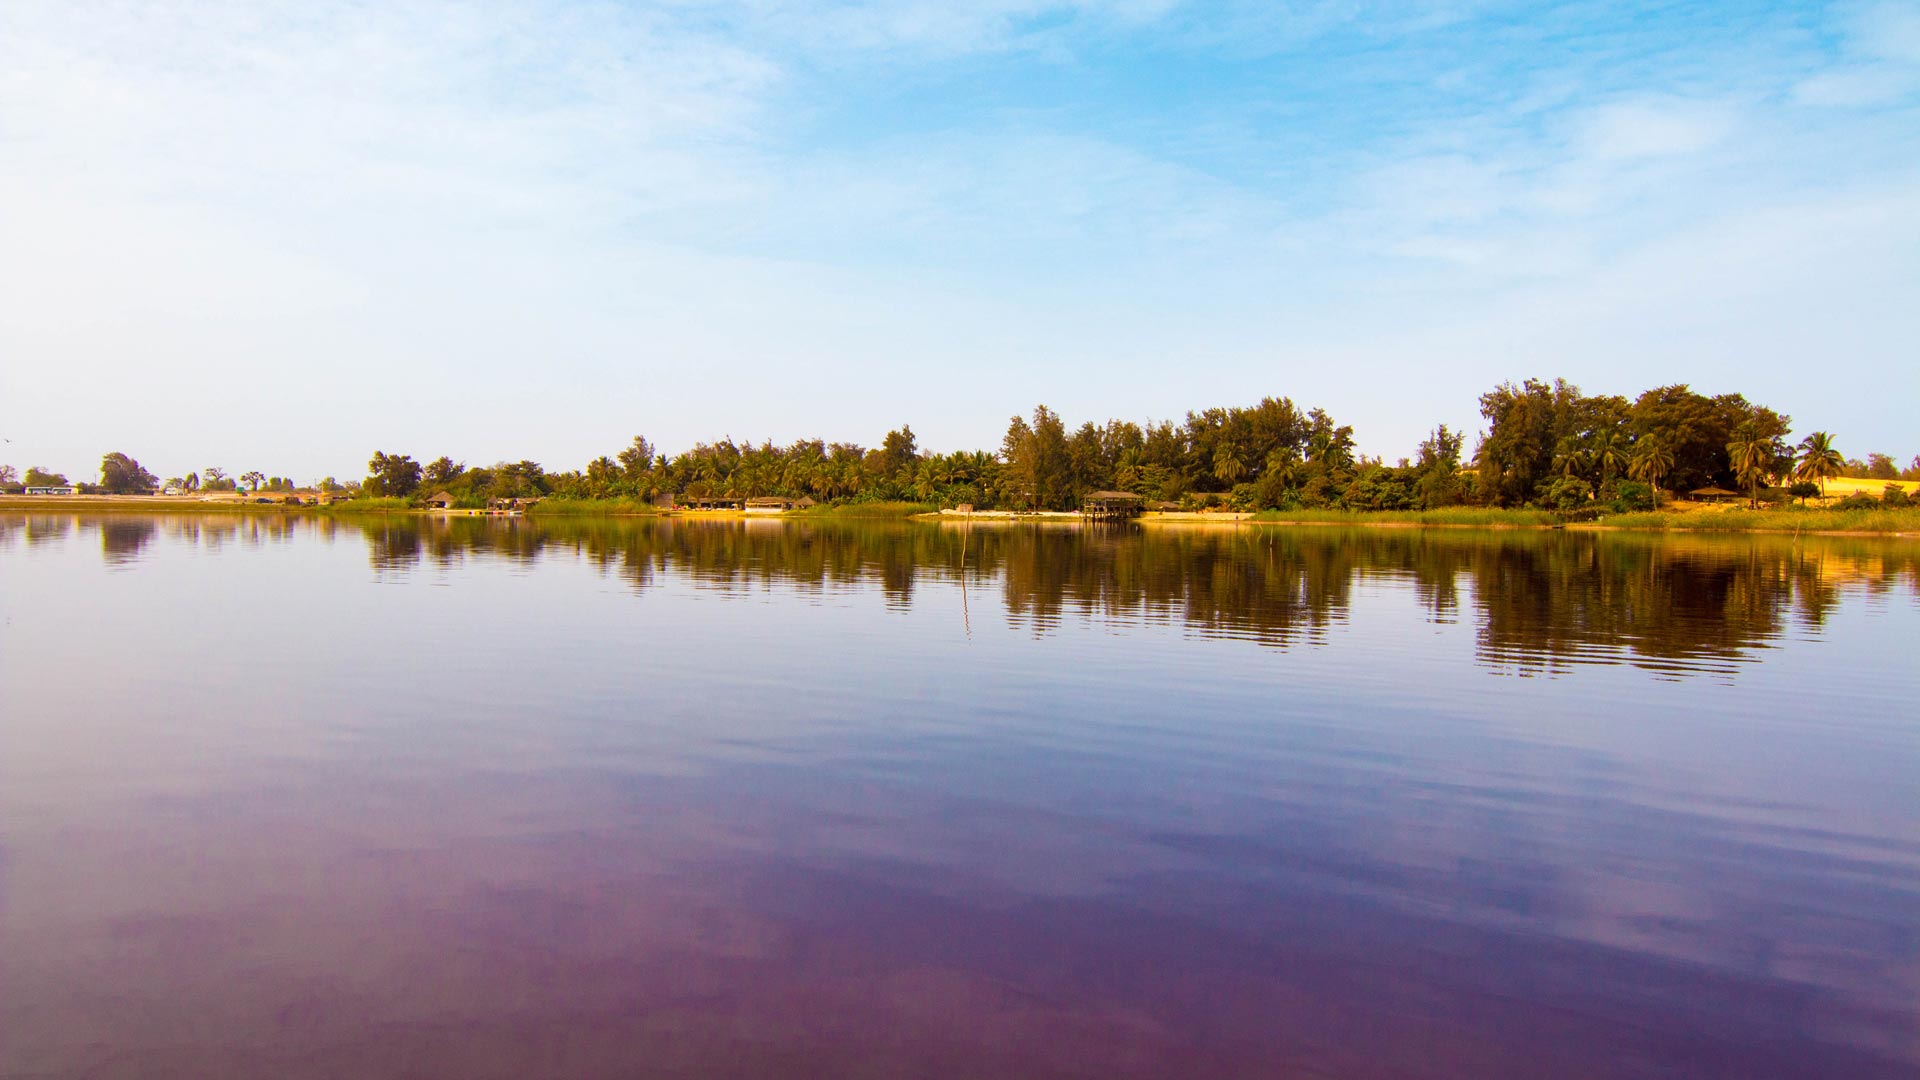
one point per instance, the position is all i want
(1541, 601)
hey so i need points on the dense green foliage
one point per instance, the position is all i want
(121, 475)
(1270, 455)
(1551, 445)
(1548, 446)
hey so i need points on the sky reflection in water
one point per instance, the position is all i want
(303, 797)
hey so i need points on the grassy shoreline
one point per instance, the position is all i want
(1879, 521)
(1459, 517)
(870, 511)
(1876, 521)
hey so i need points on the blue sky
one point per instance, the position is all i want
(279, 236)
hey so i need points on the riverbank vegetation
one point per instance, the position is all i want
(872, 511)
(1548, 448)
(620, 506)
(1457, 516)
(1790, 519)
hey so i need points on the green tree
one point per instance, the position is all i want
(1228, 465)
(1612, 451)
(898, 453)
(1819, 460)
(1568, 493)
(394, 475)
(1022, 475)
(1751, 454)
(255, 479)
(636, 461)
(1527, 424)
(1699, 429)
(1652, 461)
(1570, 459)
(515, 480)
(440, 472)
(1036, 456)
(603, 473)
(42, 477)
(122, 475)
(1438, 468)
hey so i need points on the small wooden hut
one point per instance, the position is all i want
(1102, 505)
(442, 500)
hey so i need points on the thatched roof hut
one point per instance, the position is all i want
(1713, 494)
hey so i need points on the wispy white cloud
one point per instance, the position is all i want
(694, 197)
(1542, 198)
(1651, 128)
(1880, 64)
(928, 27)
(500, 110)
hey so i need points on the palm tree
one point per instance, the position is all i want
(1652, 461)
(1570, 459)
(1284, 465)
(1752, 459)
(1227, 464)
(1819, 460)
(1330, 452)
(1611, 454)
(933, 476)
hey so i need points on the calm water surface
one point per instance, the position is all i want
(290, 797)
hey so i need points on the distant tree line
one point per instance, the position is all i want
(1546, 444)
(121, 474)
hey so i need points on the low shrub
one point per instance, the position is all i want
(1569, 493)
(1630, 496)
(875, 509)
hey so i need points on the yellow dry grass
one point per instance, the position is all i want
(1840, 487)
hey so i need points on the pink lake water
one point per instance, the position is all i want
(284, 796)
